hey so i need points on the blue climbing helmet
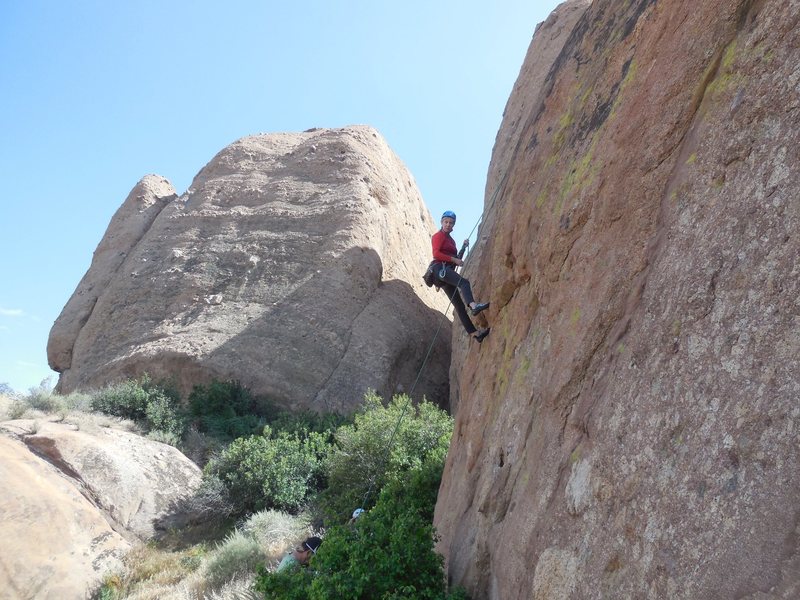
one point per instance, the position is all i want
(449, 213)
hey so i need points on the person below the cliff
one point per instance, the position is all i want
(356, 513)
(445, 261)
(300, 555)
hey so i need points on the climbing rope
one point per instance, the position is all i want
(430, 347)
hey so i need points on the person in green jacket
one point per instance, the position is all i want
(300, 555)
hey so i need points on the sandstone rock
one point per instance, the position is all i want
(56, 544)
(74, 500)
(630, 428)
(137, 482)
(127, 227)
(293, 264)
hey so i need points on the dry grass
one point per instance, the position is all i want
(276, 531)
(237, 589)
(238, 556)
(151, 572)
(225, 571)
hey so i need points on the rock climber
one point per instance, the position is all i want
(445, 261)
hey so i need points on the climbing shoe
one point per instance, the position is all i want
(479, 307)
(479, 335)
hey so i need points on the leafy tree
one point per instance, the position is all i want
(274, 470)
(387, 554)
(382, 442)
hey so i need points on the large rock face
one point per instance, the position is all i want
(630, 428)
(128, 225)
(74, 499)
(292, 264)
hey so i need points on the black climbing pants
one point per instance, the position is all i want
(451, 282)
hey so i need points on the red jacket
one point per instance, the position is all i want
(444, 248)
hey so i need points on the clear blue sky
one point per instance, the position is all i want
(96, 94)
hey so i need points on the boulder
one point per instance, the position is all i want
(56, 544)
(138, 483)
(127, 227)
(292, 264)
(629, 429)
(74, 500)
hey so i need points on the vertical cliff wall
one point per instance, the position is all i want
(630, 428)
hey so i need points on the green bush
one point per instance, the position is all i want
(227, 410)
(387, 554)
(291, 584)
(303, 423)
(153, 406)
(270, 470)
(16, 409)
(42, 397)
(76, 401)
(163, 413)
(366, 455)
(126, 399)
